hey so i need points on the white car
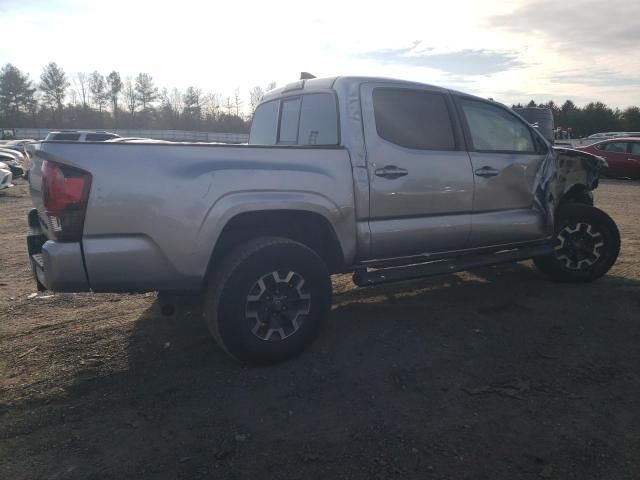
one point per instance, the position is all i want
(5, 176)
(14, 161)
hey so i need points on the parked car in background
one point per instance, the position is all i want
(18, 145)
(603, 135)
(80, 136)
(13, 160)
(5, 176)
(622, 155)
(21, 153)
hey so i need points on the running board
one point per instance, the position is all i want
(466, 262)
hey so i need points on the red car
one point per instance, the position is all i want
(622, 154)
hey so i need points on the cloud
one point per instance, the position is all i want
(602, 78)
(577, 26)
(462, 62)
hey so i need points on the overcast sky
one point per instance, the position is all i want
(511, 51)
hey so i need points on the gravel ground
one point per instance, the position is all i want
(494, 374)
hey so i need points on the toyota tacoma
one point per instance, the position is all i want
(388, 179)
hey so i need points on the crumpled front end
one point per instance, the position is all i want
(565, 173)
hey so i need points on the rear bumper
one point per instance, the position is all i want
(56, 266)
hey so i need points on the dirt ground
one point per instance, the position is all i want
(495, 374)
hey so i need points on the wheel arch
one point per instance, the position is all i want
(313, 221)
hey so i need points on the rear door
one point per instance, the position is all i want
(421, 185)
(505, 158)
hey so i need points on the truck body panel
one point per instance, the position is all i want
(156, 211)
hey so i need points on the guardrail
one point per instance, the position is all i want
(173, 135)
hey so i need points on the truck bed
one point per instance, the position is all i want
(155, 210)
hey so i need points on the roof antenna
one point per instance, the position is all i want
(306, 76)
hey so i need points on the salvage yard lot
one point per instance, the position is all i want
(494, 374)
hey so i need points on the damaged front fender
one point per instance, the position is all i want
(566, 175)
(575, 168)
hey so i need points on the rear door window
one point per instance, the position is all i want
(318, 120)
(635, 148)
(74, 137)
(616, 147)
(98, 137)
(413, 119)
(494, 129)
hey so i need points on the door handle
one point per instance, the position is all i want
(486, 171)
(391, 172)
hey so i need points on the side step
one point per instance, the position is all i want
(452, 265)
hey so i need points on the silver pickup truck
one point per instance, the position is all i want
(388, 179)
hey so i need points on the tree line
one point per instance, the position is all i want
(594, 117)
(97, 101)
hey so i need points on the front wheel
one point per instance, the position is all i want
(586, 245)
(267, 299)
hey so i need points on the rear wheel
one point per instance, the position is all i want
(266, 301)
(586, 245)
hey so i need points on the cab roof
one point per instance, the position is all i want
(345, 82)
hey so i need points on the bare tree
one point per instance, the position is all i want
(228, 105)
(81, 83)
(73, 93)
(255, 95)
(237, 101)
(130, 97)
(271, 86)
(53, 84)
(212, 105)
(176, 101)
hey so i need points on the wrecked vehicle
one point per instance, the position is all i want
(388, 179)
(14, 160)
(6, 176)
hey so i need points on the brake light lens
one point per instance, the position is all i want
(65, 193)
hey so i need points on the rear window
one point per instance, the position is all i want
(413, 119)
(310, 119)
(74, 137)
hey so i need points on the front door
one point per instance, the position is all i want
(506, 159)
(421, 183)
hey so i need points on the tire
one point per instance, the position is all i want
(267, 300)
(586, 246)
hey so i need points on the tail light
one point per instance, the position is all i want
(65, 192)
